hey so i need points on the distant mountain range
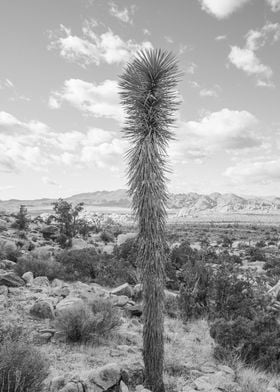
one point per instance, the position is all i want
(186, 203)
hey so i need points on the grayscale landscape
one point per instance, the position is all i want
(140, 196)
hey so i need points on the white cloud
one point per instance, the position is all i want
(208, 93)
(125, 14)
(223, 131)
(191, 68)
(92, 48)
(246, 59)
(257, 171)
(274, 4)
(34, 145)
(48, 181)
(99, 100)
(222, 8)
(221, 38)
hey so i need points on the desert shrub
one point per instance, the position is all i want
(171, 306)
(255, 341)
(8, 250)
(10, 331)
(107, 236)
(88, 322)
(194, 292)
(182, 254)
(255, 254)
(40, 267)
(79, 263)
(232, 293)
(22, 367)
(272, 268)
(113, 271)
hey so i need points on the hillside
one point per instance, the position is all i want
(186, 203)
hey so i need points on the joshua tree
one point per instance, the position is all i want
(149, 97)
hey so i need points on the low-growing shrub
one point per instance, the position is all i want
(114, 271)
(194, 292)
(40, 267)
(79, 263)
(107, 236)
(22, 367)
(255, 341)
(8, 250)
(88, 322)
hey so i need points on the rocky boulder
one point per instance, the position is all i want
(10, 279)
(124, 289)
(28, 277)
(7, 264)
(67, 304)
(104, 377)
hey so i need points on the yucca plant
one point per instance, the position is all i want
(147, 89)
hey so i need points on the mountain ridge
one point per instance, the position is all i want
(191, 203)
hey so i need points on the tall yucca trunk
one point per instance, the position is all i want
(149, 98)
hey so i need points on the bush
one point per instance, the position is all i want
(256, 254)
(40, 267)
(88, 322)
(194, 292)
(107, 236)
(255, 341)
(234, 293)
(114, 272)
(79, 263)
(22, 367)
(272, 268)
(8, 250)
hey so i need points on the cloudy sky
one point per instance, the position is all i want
(60, 117)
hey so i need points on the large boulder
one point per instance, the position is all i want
(67, 304)
(104, 377)
(41, 282)
(10, 279)
(124, 237)
(7, 264)
(124, 289)
(28, 277)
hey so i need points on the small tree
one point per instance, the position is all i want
(22, 220)
(67, 217)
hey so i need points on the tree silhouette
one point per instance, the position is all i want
(147, 89)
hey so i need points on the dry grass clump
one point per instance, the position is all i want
(39, 266)
(186, 346)
(89, 323)
(22, 367)
(254, 380)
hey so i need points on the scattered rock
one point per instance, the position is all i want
(10, 279)
(42, 338)
(124, 289)
(212, 382)
(104, 377)
(120, 301)
(67, 304)
(7, 264)
(60, 291)
(4, 290)
(132, 374)
(28, 277)
(42, 309)
(141, 388)
(123, 387)
(41, 281)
